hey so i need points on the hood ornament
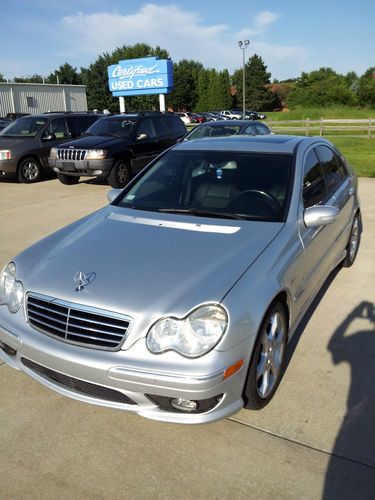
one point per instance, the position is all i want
(81, 279)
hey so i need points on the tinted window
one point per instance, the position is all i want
(334, 170)
(58, 128)
(314, 190)
(175, 125)
(234, 184)
(146, 126)
(25, 127)
(79, 124)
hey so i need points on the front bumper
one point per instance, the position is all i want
(118, 379)
(91, 168)
(8, 168)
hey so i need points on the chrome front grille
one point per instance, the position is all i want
(76, 323)
(71, 154)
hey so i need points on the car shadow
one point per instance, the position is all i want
(351, 470)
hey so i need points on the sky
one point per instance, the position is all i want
(291, 36)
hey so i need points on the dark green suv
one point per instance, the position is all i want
(116, 147)
(25, 143)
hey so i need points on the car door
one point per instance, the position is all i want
(340, 191)
(146, 144)
(55, 133)
(317, 259)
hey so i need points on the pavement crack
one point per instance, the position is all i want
(304, 445)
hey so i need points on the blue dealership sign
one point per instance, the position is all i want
(149, 75)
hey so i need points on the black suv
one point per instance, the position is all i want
(116, 147)
(25, 143)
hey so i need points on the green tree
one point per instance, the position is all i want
(65, 74)
(185, 92)
(2, 78)
(29, 79)
(366, 88)
(257, 79)
(323, 87)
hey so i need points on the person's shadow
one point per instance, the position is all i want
(351, 470)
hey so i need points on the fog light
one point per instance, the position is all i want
(184, 404)
(97, 172)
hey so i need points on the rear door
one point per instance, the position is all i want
(146, 144)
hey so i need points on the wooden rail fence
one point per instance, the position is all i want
(346, 127)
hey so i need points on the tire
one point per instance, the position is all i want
(120, 174)
(354, 241)
(267, 362)
(69, 180)
(29, 171)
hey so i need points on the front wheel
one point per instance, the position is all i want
(353, 243)
(68, 180)
(29, 171)
(267, 362)
(120, 174)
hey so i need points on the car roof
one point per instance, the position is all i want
(228, 123)
(284, 144)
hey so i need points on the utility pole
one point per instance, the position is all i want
(243, 44)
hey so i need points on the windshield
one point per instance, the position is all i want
(235, 185)
(212, 131)
(118, 127)
(28, 126)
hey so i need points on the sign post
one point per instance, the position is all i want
(149, 75)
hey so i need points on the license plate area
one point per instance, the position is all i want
(68, 165)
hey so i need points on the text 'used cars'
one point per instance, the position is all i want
(176, 301)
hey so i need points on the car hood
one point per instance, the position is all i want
(94, 142)
(144, 264)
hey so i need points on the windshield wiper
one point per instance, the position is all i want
(202, 213)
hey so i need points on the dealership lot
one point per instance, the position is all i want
(315, 438)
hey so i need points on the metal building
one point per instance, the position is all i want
(35, 98)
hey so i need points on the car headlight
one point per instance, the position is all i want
(5, 154)
(96, 154)
(53, 153)
(11, 290)
(192, 336)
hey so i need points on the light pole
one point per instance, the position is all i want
(243, 45)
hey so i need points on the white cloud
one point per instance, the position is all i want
(179, 31)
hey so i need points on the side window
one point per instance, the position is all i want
(334, 170)
(58, 128)
(146, 127)
(261, 130)
(314, 190)
(79, 124)
(161, 126)
(175, 124)
(250, 130)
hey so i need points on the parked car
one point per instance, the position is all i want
(232, 115)
(116, 147)
(26, 142)
(223, 128)
(14, 116)
(177, 300)
(250, 114)
(4, 122)
(187, 117)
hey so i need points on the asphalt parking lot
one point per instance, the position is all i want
(315, 440)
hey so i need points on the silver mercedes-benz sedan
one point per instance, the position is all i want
(176, 301)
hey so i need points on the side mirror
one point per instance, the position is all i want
(112, 194)
(142, 137)
(49, 137)
(319, 215)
